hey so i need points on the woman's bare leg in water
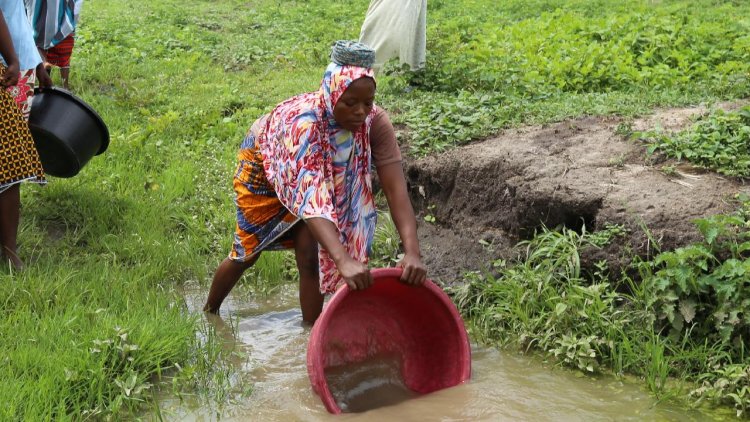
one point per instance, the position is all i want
(225, 277)
(306, 255)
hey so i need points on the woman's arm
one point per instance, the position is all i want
(10, 77)
(42, 76)
(355, 273)
(394, 185)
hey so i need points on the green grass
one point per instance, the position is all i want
(490, 67)
(98, 316)
(75, 330)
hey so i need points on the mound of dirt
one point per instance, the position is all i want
(487, 196)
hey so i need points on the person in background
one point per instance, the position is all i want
(19, 160)
(304, 179)
(31, 68)
(54, 23)
(396, 28)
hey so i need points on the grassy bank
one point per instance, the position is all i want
(96, 318)
(681, 324)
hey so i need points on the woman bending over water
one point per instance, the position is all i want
(304, 179)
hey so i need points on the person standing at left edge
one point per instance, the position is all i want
(19, 160)
(29, 60)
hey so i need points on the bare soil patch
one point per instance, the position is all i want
(487, 196)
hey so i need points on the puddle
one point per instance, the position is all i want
(504, 386)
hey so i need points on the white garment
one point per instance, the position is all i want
(396, 28)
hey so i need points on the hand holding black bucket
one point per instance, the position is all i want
(67, 132)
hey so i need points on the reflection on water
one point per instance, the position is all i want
(504, 386)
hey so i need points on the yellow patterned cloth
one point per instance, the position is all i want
(19, 160)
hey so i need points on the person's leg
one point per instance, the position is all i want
(306, 255)
(65, 75)
(10, 212)
(226, 276)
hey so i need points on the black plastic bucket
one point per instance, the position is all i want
(67, 132)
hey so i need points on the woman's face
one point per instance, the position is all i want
(355, 104)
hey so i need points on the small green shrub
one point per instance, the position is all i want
(719, 141)
(729, 385)
(702, 291)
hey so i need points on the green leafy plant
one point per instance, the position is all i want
(386, 247)
(727, 385)
(544, 302)
(668, 170)
(719, 141)
(703, 290)
(520, 63)
(624, 129)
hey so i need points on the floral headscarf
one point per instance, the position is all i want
(319, 169)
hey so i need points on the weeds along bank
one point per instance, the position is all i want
(680, 323)
(97, 317)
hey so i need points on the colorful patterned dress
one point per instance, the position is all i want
(298, 163)
(19, 160)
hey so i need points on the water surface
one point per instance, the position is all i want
(271, 339)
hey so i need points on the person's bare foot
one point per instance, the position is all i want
(11, 257)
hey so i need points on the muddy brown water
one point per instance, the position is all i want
(270, 335)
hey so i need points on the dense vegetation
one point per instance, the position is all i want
(97, 319)
(719, 141)
(532, 61)
(685, 316)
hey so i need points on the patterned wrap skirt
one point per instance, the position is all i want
(19, 159)
(263, 223)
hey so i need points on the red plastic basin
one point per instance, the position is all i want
(418, 324)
